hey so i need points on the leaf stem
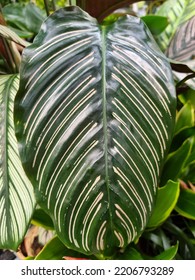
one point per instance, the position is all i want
(180, 83)
(46, 2)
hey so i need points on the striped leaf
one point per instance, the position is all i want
(94, 117)
(8, 34)
(178, 12)
(182, 49)
(182, 46)
(16, 192)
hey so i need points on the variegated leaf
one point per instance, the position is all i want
(178, 12)
(16, 192)
(94, 117)
(8, 34)
(182, 49)
(182, 46)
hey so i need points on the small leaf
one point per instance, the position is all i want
(186, 204)
(188, 96)
(56, 250)
(176, 162)
(168, 254)
(166, 200)
(185, 117)
(181, 137)
(40, 218)
(155, 23)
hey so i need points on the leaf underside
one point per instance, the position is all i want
(178, 12)
(182, 46)
(94, 117)
(16, 192)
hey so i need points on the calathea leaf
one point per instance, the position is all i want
(16, 192)
(178, 12)
(94, 117)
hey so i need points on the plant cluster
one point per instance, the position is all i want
(97, 128)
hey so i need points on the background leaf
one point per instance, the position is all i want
(185, 117)
(16, 192)
(155, 23)
(166, 200)
(26, 18)
(55, 250)
(178, 12)
(168, 254)
(176, 162)
(186, 204)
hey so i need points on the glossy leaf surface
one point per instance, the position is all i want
(186, 204)
(166, 200)
(94, 118)
(16, 192)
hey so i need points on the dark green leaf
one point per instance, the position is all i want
(94, 119)
(176, 161)
(181, 137)
(188, 174)
(40, 218)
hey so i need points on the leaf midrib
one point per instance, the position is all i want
(105, 124)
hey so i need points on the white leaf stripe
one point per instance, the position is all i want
(98, 123)
(70, 127)
(135, 198)
(44, 106)
(134, 143)
(16, 193)
(100, 237)
(152, 82)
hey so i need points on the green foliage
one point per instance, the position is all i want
(16, 192)
(103, 194)
(58, 156)
(166, 200)
(24, 19)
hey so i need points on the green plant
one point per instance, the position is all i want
(94, 120)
